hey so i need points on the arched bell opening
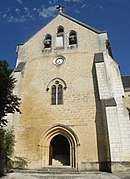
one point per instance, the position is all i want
(59, 151)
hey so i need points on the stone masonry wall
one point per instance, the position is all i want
(110, 86)
(78, 110)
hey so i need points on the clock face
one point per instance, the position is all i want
(59, 61)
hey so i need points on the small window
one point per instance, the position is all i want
(60, 94)
(47, 41)
(72, 38)
(57, 94)
(53, 95)
(60, 37)
(60, 31)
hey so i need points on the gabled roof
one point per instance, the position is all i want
(82, 24)
(72, 19)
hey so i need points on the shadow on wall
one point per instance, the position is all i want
(104, 157)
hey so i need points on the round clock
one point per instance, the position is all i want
(59, 61)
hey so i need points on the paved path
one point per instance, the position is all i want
(87, 175)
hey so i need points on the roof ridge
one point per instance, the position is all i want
(81, 23)
(70, 18)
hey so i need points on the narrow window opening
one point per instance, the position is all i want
(57, 94)
(60, 37)
(60, 31)
(53, 96)
(47, 41)
(72, 38)
(60, 94)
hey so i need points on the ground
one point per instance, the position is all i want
(85, 175)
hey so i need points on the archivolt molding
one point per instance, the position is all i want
(56, 80)
(59, 129)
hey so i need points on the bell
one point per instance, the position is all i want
(47, 42)
(72, 38)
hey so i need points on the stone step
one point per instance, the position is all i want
(59, 169)
(62, 159)
(56, 163)
(52, 170)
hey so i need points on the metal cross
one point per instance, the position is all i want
(60, 7)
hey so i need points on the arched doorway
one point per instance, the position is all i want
(59, 151)
(59, 140)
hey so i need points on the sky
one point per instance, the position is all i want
(20, 19)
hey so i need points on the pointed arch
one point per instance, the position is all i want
(55, 80)
(60, 129)
(57, 85)
(65, 131)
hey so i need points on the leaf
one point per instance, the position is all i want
(9, 103)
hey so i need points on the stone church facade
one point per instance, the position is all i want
(73, 104)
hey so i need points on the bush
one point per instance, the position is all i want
(6, 149)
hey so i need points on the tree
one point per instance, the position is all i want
(9, 103)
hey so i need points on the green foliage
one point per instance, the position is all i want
(7, 142)
(20, 163)
(6, 147)
(4, 69)
(9, 103)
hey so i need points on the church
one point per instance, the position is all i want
(75, 110)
